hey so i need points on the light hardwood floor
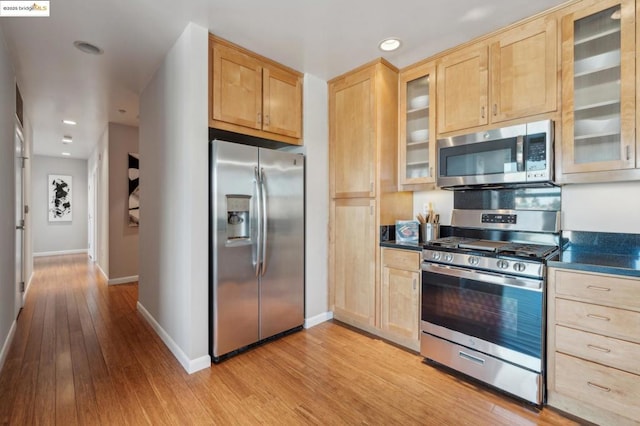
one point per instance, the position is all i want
(82, 354)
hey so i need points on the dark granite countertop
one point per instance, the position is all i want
(607, 253)
(401, 245)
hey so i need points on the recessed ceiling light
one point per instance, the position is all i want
(66, 154)
(69, 122)
(389, 44)
(89, 48)
(67, 139)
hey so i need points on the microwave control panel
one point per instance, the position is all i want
(536, 157)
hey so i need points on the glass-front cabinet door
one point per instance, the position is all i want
(598, 94)
(417, 130)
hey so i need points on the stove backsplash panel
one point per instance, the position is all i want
(547, 199)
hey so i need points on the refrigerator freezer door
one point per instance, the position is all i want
(282, 278)
(234, 285)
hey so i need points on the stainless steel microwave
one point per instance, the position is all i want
(520, 154)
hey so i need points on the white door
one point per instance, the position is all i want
(92, 213)
(19, 193)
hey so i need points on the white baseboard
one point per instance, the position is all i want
(7, 344)
(318, 319)
(106, 278)
(26, 289)
(60, 253)
(190, 365)
(123, 280)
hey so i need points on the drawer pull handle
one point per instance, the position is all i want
(602, 388)
(471, 358)
(598, 317)
(598, 348)
(595, 287)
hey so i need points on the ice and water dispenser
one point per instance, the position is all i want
(238, 222)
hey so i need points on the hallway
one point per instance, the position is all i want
(83, 355)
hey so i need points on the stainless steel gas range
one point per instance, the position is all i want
(483, 292)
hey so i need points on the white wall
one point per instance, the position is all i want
(441, 201)
(316, 152)
(604, 207)
(123, 239)
(7, 207)
(173, 269)
(58, 237)
(316, 143)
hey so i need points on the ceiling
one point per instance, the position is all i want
(321, 37)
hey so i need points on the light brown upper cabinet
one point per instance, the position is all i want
(353, 135)
(253, 95)
(524, 71)
(599, 92)
(417, 126)
(520, 65)
(462, 89)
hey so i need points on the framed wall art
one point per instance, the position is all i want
(60, 198)
(134, 189)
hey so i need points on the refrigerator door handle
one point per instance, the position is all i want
(263, 192)
(258, 215)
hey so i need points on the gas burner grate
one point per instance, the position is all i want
(449, 242)
(528, 250)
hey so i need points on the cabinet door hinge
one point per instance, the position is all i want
(21, 286)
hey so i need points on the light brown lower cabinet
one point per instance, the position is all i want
(594, 346)
(400, 297)
(353, 260)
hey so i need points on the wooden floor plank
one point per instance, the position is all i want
(65, 389)
(14, 361)
(45, 399)
(83, 354)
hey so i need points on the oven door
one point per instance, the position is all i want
(492, 313)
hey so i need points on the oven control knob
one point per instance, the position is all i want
(448, 257)
(473, 260)
(502, 264)
(435, 255)
(519, 267)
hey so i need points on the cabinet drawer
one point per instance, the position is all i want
(594, 347)
(599, 319)
(401, 259)
(600, 289)
(600, 386)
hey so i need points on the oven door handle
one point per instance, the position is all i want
(490, 277)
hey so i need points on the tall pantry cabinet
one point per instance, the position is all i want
(363, 114)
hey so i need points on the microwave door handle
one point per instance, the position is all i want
(520, 152)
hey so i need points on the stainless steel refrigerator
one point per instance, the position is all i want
(256, 245)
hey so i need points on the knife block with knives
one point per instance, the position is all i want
(429, 225)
